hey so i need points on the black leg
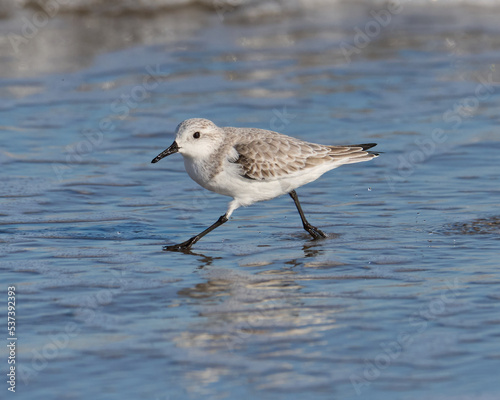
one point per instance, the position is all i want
(188, 243)
(313, 231)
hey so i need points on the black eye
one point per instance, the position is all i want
(196, 135)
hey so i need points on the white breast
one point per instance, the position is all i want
(197, 171)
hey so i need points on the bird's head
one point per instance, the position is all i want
(196, 138)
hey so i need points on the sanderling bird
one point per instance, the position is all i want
(251, 165)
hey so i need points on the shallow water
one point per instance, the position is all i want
(401, 301)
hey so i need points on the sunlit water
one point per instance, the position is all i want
(401, 301)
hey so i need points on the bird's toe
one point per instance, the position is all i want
(184, 246)
(315, 232)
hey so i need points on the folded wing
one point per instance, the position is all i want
(275, 156)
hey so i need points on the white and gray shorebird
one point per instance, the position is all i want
(252, 165)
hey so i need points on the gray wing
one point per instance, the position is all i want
(266, 155)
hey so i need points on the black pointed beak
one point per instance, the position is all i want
(174, 148)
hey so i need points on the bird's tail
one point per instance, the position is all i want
(353, 153)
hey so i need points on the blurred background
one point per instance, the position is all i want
(398, 302)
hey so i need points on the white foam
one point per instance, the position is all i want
(253, 8)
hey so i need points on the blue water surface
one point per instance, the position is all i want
(401, 301)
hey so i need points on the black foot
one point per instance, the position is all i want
(315, 232)
(184, 246)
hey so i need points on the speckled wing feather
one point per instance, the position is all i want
(267, 155)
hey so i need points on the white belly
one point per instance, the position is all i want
(229, 182)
